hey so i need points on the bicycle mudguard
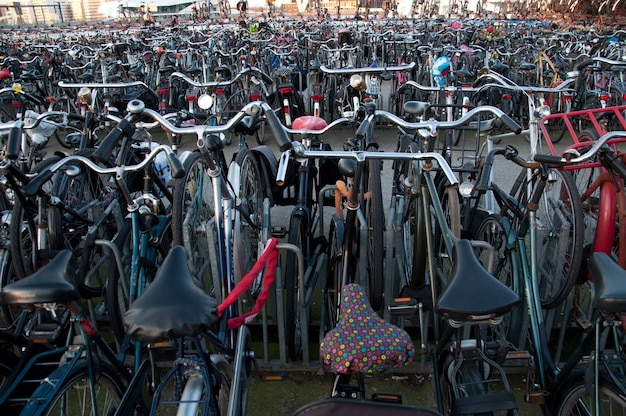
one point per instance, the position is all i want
(331, 407)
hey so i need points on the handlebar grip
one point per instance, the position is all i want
(549, 159)
(75, 116)
(123, 129)
(614, 163)
(512, 124)
(14, 142)
(278, 130)
(35, 184)
(363, 129)
(176, 167)
(483, 179)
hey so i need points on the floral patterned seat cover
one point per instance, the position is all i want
(362, 342)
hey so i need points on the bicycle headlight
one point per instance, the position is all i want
(542, 111)
(465, 189)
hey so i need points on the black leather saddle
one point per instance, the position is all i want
(53, 283)
(610, 283)
(473, 294)
(172, 306)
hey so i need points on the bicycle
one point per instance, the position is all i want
(210, 375)
(560, 388)
(306, 225)
(150, 221)
(75, 360)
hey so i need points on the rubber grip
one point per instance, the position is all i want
(512, 124)
(282, 138)
(176, 167)
(615, 163)
(75, 116)
(105, 150)
(35, 184)
(14, 142)
(485, 174)
(364, 127)
(549, 159)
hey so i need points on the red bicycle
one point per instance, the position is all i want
(600, 180)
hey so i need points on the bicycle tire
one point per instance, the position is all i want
(584, 179)
(242, 367)
(468, 375)
(294, 325)
(554, 287)
(451, 207)
(331, 296)
(575, 398)
(193, 223)
(245, 177)
(375, 218)
(559, 208)
(87, 194)
(222, 382)
(73, 395)
(23, 228)
(498, 233)
(118, 298)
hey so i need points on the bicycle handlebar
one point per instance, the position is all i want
(368, 70)
(562, 161)
(33, 187)
(64, 84)
(244, 72)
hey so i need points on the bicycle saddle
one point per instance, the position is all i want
(608, 279)
(473, 294)
(362, 342)
(53, 283)
(309, 123)
(416, 108)
(172, 306)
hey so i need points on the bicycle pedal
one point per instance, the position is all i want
(46, 332)
(279, 232)
(387, 398)
(403, 306)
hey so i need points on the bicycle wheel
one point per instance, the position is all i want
(74, 396)
(451, 206)
(193, 223)
(375, 218)
(23, 229)
(242, 367)
(576, 399)
(331, 294)
(245, 177)
(87, 196)
(468, 380)
(497, 232)
(559, 238)
(120, 290)
(222, 375)
(559, 234)
(294, 322)
(590, 193)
